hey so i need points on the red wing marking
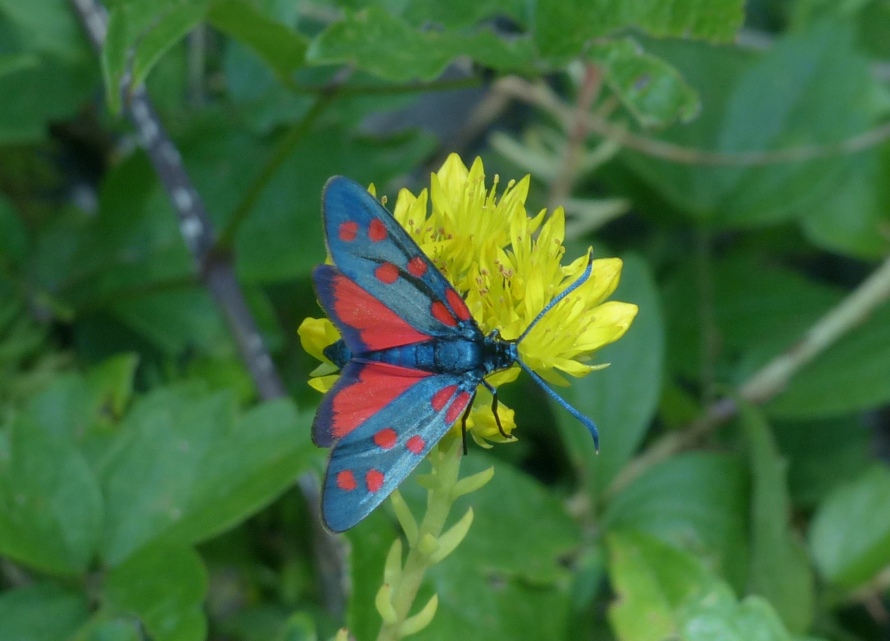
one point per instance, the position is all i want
(457, 304)
(441, 314)
(458, 405)
(417, 266)
(348, 231)
(378, 327)
(377, 231)
(374, 480)
(416, 444)
(386, 438)
(441, 397)
(387, 273)
(377, 385)
(346, 480)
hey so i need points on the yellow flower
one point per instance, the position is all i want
(508, 267)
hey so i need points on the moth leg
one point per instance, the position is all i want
(494, 407)
(463, 422)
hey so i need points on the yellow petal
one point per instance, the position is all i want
(316, 334)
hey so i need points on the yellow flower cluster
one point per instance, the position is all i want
(507, 266)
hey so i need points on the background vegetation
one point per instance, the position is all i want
(156, 476)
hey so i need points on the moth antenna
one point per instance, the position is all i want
(568, 290)
(586, 422)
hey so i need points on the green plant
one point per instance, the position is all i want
(161, 166)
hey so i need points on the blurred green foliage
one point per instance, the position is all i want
(146, 492)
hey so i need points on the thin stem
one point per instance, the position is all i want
(446, 460)
(770, 380)
(541, 96)
(561, 187)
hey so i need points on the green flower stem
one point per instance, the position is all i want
(423, 546)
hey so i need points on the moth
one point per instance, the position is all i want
(411, 354)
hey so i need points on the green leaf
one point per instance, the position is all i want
(780, 569)
(502, 510)
(164, 586)
(139, 33)
(365, 40)
(811, 447)
(280, 47)
(796, 94)
(650, 88)
(49, 27)
(850, 534)
(73, 405)
(562, 27)
(25, 114)
(14, 241)
(258, 93)
(282, 238)
(12, 62)
(103, 627)
(665, 593)
(50, 502)
(621, 399)
(852, 220)
(461, 13)
(41, 612)
(186, 467)
(487, 609)
(695, 501)
(131, 262)
(847, 377)
(749, 294)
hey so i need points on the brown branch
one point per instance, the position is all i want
(215, 268)
(561, 187)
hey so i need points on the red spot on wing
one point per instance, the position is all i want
(387, 273)
(416, 444)
(457, 304)
(386, 438)
(374, 480)
(457, 407)
(377, 230)
(346, 480)
(348, 231)
(442, 397)
(377, 325)
(441, 314)
(376, 385)
(417, 266)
